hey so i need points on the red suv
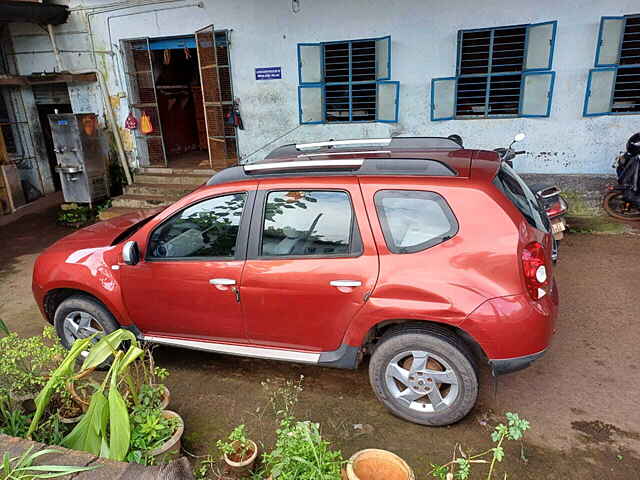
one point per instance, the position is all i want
(426, 257)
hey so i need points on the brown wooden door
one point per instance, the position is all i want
(220, 155)
(138, 68)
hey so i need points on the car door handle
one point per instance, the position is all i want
(222, 281)
(345, 283)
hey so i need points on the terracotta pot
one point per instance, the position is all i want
(25, 401)
(374, 464)
(166, 397)
(71, 419)
(245, 467)
(169, 450)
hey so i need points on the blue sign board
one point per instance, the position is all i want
(269, 73)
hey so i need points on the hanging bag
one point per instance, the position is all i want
(146, 126)
(131, 123)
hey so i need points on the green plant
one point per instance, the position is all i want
(3, 327)
(13, 421)
(300, 453)
(105, 428)
(237, 446)
(22, 467)
(460, 466)
(27, 362)
(149, 430)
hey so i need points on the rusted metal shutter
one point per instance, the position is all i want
(212, 95)
(138, 67)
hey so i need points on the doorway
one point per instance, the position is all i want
(50, 99)
(165, 84)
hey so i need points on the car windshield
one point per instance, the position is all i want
(516, 190)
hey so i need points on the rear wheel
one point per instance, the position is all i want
(616, 206)
(80, 316)
(424, 375)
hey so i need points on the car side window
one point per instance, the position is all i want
(308, 223)
(414, 220)
(206, 229)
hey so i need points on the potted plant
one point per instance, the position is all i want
(147, 381)
(156, 435)
(301, 453)
(238, 451)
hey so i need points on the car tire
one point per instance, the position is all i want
(89, 315)
(443, 386)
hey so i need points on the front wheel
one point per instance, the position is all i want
(424, 375)
(616, 206)
(80, 316)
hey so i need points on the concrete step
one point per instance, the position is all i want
(177, 171)
(170, 191)
(141, 201)
(116, 212)
(195, 179)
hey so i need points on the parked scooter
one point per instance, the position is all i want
(623, 199)
(552, 202)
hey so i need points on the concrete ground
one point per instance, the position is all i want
(581, 398)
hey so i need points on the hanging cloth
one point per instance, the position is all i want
(131, 123)
(167, 56)
(146, 126)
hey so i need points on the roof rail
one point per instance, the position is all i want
(376, 142)
(335, 154)
(304, 164)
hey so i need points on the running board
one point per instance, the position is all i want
(240, 350)
(346, 356)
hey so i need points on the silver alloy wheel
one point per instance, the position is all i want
(422, 381)
(79, 324)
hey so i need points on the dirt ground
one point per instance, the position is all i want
(581, 398)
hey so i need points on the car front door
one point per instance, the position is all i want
(311, 263)
(186, 285)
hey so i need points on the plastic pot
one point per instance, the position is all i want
(244, 467)
(375, 464)
(170, 449)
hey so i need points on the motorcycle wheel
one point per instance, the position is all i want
(616, 206)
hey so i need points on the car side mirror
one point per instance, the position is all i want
(131, 253)
(519, 137)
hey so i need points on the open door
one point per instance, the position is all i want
(219, 155)
(138, 69)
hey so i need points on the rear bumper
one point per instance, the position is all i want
(510, 365)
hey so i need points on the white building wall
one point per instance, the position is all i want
(265, 33)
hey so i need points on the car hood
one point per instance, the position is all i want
(102, 234)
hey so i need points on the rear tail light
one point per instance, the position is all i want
(557, 208)
(536, 275)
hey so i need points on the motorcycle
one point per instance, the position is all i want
(623, 199)
(553, 203)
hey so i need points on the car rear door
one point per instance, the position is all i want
(311, 263)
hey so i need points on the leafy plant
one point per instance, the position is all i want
(300, 453)
(27, 362)
(13, 421)
(149, 430)
(3, 327)
(104, 429)
(460, 466)
(237, 447)
(23, 468)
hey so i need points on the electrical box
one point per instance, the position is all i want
(81, 156)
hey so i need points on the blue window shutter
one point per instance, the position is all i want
(311, 104)
(539, 46)
(599, 94)
(310, 63)
(609, 41)
(383, 58)
(536, 94)
(387, 101)
(443, 98)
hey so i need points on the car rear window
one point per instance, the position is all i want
(516, 190)
(414, 220)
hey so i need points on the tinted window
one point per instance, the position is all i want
(514, 188)
(307, 223)
(414, 220)
(207, 229)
